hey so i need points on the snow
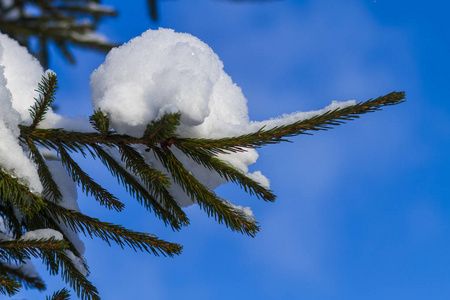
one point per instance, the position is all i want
(78, 262)
(163, 72)
(12, 157)
(260, 178)
(5, 237)
(14, 161)
(297, 116)
(246, 211)
(91, 37)
(40, 234)
(65, 183)
(68, 190)
(23, 74)
(96, 7)
(27, 268)
(20, 74)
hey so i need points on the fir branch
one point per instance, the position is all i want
(58, 262)
(278, 134)
(156, 181)
(9, 285)
(47, 90)
(206, 199)
(60, 22)
(29, 281)
(60, 295)
(51, 190)
(226, 171)
(16, 193)
(174, 217)
(48, 137)
(89, 226)
(88, 185)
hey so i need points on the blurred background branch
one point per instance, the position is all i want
(36, 24)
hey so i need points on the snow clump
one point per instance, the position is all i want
(42, 234)
(13, 159)
(163, 72)
(20, 74)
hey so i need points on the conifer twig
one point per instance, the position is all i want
(163, 128)
(20, 250)
(88, 185)
(11, 219)
(228, 172)
(280, 133)
(59, 262)
(16, 193)
(51, 189)
(100, 122)
(79, 222)
(47, 90)
(156, 181)
(60, 295)
(9, 285)
(27, 280)
(172, 215)
(44, 220)
(206, 199)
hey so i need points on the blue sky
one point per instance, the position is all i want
(362, 210)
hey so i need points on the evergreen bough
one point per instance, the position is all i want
(37, 24)
(59, 22)
(24, 211)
